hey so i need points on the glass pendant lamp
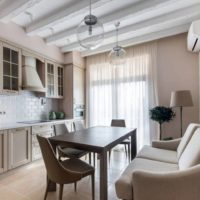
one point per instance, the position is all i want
(117, 54)
(90, 32)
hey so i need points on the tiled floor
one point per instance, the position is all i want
(28, 182)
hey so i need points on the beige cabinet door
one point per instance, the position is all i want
(44, 131)
(54, 80)
(3, 151)
(19, 147)
(10, 71)
(78, 85)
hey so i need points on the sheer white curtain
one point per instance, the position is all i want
(124, 92)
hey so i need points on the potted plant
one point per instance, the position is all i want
(161, 114)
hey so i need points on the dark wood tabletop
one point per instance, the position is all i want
(94, 138)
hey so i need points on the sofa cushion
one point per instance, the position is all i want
(191, 155)
(123, 185)
(186, 138)
(162, 155)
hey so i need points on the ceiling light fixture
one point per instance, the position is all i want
(90, 32)
(117, 54)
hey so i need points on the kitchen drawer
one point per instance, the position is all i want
(41, 128)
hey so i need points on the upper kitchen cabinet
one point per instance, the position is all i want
(74, 86)
(74, 58)
(10, 69)
(54, 80)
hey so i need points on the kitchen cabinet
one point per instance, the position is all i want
(19, 147)
(74, 86)
(3, 152)
(78, 85)
(74, 92)
(10, 69)
(44, 131)
(54, 80)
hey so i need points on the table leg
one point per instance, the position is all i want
(133, 144)
(103, 176)
(52, 185)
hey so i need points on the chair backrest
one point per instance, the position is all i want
(55, 171)
(60, 129)
(191, 154)
(118, 122)
(78, 125)
(186, 138)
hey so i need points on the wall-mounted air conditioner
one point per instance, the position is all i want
(193, 39)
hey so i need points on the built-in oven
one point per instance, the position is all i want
(79, 111)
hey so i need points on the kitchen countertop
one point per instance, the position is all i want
(13, 125)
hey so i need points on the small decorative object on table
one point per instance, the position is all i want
(161, 114)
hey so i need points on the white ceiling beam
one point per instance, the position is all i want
(141, 39)
(132, 11)
(64, 14)
(14, 8)
(177, 17)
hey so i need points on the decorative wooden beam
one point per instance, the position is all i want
(137, 9)
(13, 8)
(175, 18)
(141, 39)
(64, 14)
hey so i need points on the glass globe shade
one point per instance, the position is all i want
(90, 32)
(117, 56)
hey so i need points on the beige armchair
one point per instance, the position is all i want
(180, 185)
(168, 145)
(167, 170)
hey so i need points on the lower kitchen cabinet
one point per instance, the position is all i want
(3, 152)
(19, 147)
(44, 131)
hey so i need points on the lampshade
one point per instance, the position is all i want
(117, 56)
(181, 98)
(90, 32)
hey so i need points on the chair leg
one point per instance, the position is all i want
(90, 158)
(125, 149)
(110, 151)
(46, 192)
(129, 152)
(94, 159)
(93, 186)
(61, 192)
(75, 186)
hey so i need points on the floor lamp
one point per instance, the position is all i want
(181, 98)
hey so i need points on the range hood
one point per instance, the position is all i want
(30, 78)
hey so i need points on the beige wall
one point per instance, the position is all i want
(177, 70)
(16, 34)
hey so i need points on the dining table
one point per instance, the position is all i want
(97, 139)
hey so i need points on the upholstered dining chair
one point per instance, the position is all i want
(63, 172)
(78, 125)
(126, 142)
(64, 151)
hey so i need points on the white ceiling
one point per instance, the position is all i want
(141, 20)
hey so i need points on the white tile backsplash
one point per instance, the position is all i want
(25, 106)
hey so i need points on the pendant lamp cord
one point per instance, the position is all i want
(90, 7)
(117, 29)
